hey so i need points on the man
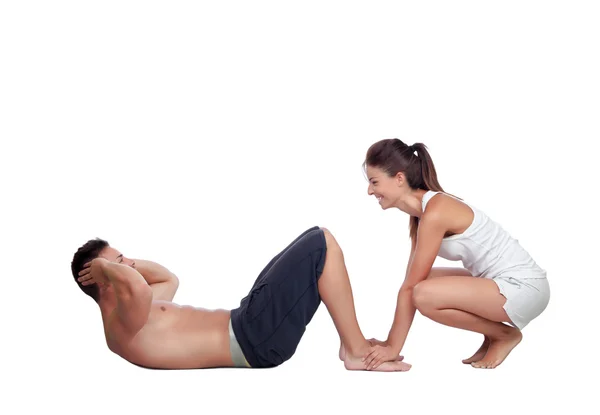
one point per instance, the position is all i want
(144, 326)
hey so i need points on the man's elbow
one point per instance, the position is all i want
(170, 288)
(174, 280)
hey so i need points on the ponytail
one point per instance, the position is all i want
(426, 180)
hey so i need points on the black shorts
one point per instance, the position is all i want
(272, 318)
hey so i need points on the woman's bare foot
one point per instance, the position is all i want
(356, 363)
(479, 354)
(498, 349)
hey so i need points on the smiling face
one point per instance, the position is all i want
(388, 190)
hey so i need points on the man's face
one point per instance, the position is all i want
(111, 254)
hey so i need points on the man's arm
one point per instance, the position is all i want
(163, 282)
(134, 295)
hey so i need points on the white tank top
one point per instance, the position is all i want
(486, 249)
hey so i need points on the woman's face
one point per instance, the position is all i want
(386, 189)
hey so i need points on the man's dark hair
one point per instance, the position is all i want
(90, 250)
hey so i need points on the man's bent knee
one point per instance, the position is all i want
(327, 233)
(329, 239)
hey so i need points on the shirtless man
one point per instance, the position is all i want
(144, 326)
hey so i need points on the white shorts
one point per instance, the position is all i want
(526, 298)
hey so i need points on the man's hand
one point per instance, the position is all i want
(92, 273)
(379, 354)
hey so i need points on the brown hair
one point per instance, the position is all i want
(393, 156)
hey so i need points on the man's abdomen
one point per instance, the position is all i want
(182, 338)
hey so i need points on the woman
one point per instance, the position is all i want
(500, 282)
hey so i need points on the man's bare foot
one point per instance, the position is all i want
(356, 363)
(499, 349)
(479, 354)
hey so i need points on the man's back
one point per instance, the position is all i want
(174, 337)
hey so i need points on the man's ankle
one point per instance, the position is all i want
(358, 349)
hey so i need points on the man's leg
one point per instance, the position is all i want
(336, 293)
(276, 257)
(271, 320)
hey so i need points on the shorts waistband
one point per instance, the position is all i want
(239, 360)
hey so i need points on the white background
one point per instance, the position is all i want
(207, 137)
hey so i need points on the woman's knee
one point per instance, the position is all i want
(423, 296)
